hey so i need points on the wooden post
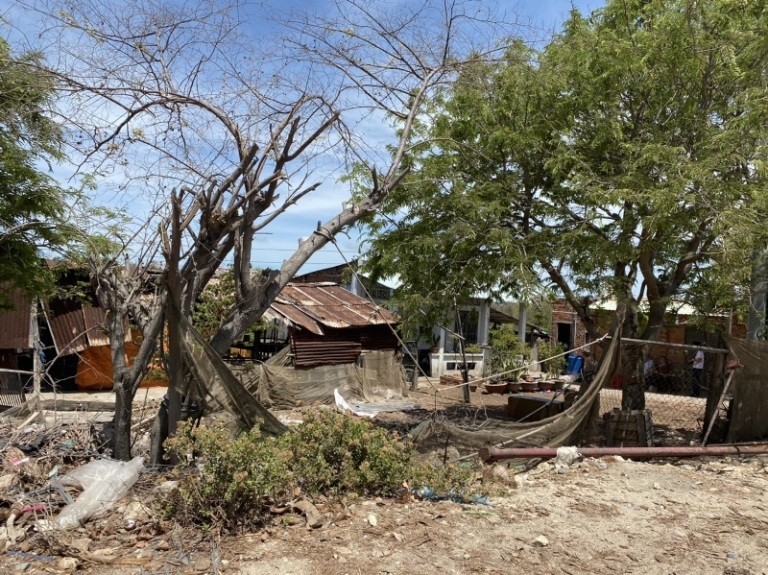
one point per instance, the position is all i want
(37, 365)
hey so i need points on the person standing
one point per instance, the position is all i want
(649, 374)
(697, 366)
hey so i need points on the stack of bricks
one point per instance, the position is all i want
(455, 379)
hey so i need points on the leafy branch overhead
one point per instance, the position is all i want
(33, 215)
(629, 151)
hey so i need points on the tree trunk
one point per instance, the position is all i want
(159, 434)
(633, 388)
(121, 442)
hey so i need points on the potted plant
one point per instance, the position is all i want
(507, 353)
(551, 357)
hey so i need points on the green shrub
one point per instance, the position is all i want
(238, 479)
(549, 363)
(333, 453)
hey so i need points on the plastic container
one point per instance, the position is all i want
(105, 482)
(575, 363)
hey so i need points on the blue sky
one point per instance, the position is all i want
(537, 19)
(541, 15)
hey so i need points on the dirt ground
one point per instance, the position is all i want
(603, 516)
(598, 516)
(673, 516)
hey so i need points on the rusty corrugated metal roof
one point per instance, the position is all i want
(15, 326)
(312, 306)
(68, 331)
(95, 320)
(78, 330)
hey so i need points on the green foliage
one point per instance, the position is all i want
(334, 453)
(550, 349)
(329, 454)
(215, 303)
(630, 150)
(238, 481)
(506, 348)
(32, 205)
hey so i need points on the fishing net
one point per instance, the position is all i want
(380, 378)
(748, 408)
(213, 380)
(562, 429)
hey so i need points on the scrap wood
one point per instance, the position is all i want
(311, 513)
(28, 420)
(68, 405)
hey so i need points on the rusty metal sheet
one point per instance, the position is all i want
(78, 330)
(294, 317)
(16, 325)
(94, 320)
(312, 306)
(68, 331)
(308, 353)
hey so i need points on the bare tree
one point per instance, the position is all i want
(184, 102)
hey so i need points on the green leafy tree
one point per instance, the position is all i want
(629, 152)
(32, 205)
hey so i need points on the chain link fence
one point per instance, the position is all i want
(672, 381)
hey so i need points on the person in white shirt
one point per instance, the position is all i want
(697, 366)
(649, 372)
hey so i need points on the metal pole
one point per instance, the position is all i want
(37, 364)
(490, 454)
(717, 407)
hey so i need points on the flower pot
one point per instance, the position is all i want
(529, 386)
(558, 384)
(500, 387)
(514, 387)
(546, 385)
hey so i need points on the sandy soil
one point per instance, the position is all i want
(599, 516)
(606, 516)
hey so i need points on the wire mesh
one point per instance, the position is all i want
(671, 381)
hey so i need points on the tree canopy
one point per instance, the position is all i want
(32, 204)
(217, 131)
(625, 159)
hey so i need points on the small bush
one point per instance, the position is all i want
(328, 454)
(238, 480)
(333, 453)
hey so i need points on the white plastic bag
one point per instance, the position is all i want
(105, 482)
(566, 456)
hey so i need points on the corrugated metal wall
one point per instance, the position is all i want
(340, 345)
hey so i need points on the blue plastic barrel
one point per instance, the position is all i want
(575, 363)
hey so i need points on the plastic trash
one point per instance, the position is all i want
(104, 482)
(566, 456)
(427, 494)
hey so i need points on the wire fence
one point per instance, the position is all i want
(672, 381)
(12, 387)
(660, 378)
